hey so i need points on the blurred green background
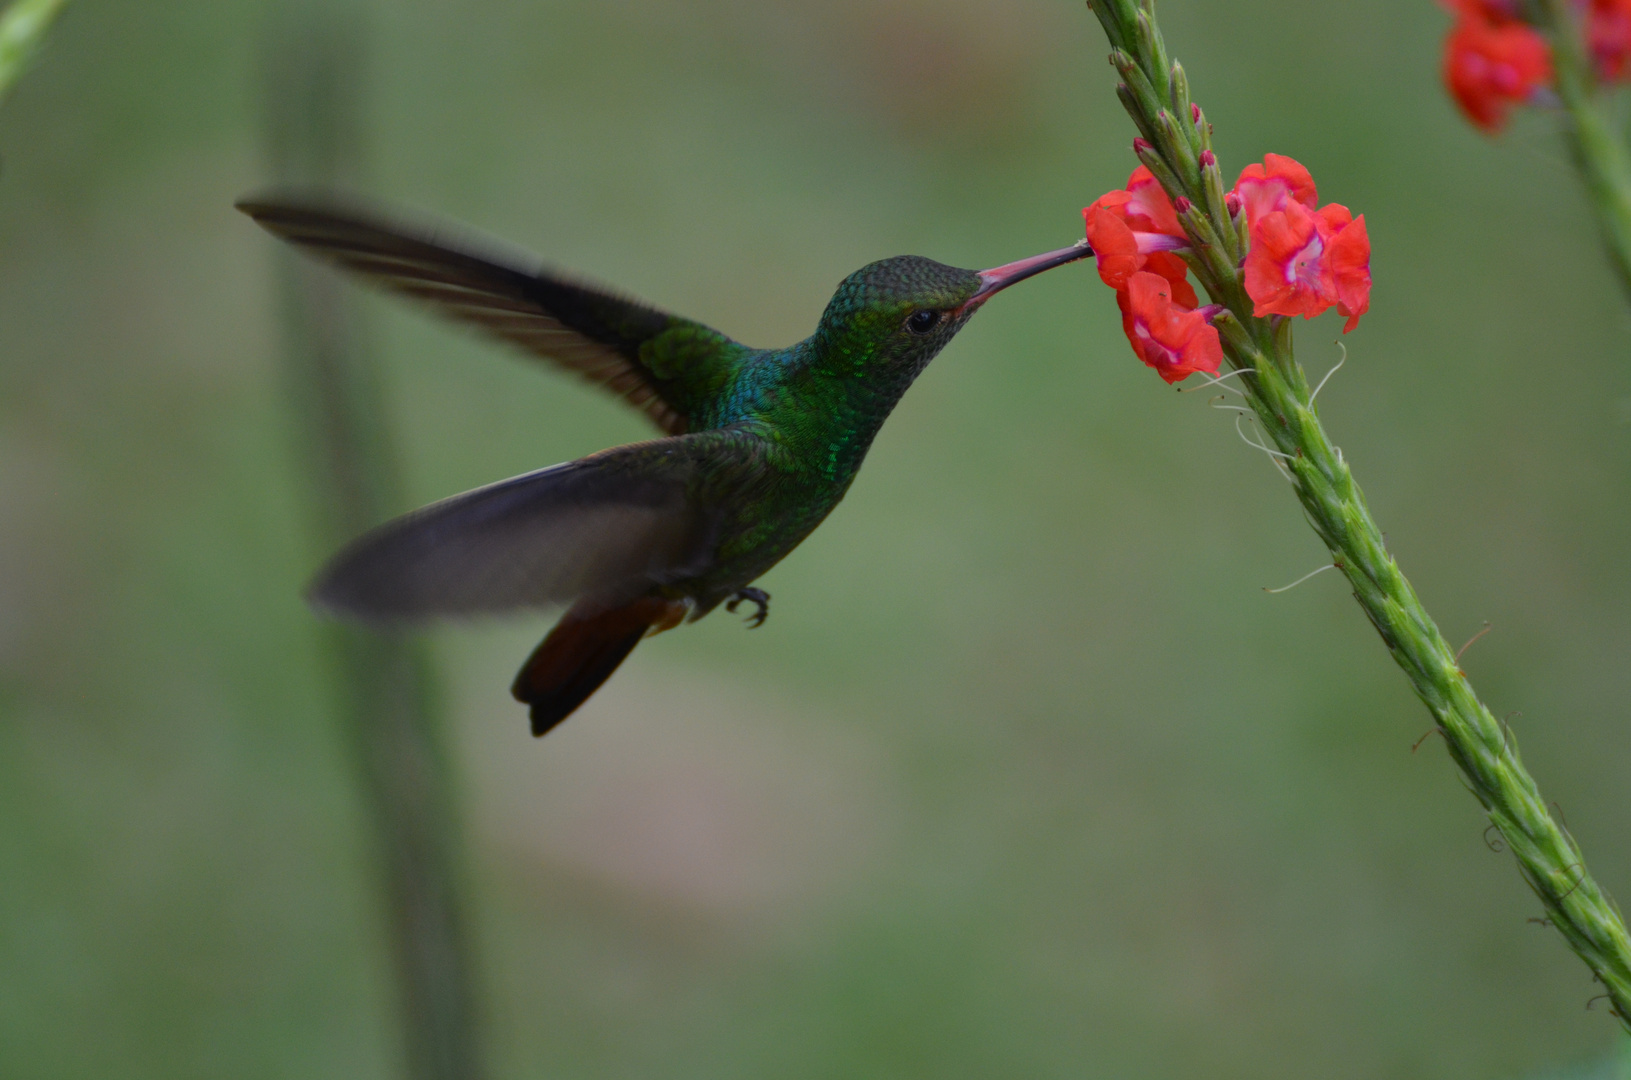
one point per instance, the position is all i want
(1026, 776)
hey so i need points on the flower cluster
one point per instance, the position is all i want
(1133, 233)
(1494, 60)
(1301, 259)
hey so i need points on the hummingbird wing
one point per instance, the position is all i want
(613, 525)
(663, 364)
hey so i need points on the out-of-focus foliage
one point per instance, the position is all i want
(23, 24)
(1026, 775)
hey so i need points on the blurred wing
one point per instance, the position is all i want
(662, 364)
(614, 524)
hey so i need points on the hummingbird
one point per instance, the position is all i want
(758, 445)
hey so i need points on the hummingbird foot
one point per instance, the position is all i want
(757, 597)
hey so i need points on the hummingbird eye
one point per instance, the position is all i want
(921, 322)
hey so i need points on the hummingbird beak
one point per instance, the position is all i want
(999, 278)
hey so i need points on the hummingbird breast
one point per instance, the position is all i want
(798, 431)
(766, 509)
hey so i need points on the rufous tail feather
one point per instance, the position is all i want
(582, 652)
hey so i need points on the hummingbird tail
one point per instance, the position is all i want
(582, 651)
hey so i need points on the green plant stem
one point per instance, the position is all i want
(1600, 150)
(1277, 389)
(382, 681)
(22, 28)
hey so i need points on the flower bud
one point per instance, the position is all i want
(1208, 159)
(1231, 202)
(1142, 145)
(1195, 113)
(1181, 204)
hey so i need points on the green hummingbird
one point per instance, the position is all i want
(760, 445)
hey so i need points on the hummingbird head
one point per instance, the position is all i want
(895, 314)
(891, 317)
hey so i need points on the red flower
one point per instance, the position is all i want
(1133, 233)
(1169, 336)
(1268, 187)
(1492, 62)
(1302, 262)
(1127, 228)
(1608, 31)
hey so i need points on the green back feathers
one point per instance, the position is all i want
(692, 365)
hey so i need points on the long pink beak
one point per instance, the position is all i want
(999, 278)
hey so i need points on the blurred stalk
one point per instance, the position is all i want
(1600, 150)
(22, 29)
(383, 681)
(1155, 91)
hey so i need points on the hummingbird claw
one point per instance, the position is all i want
(757, 597)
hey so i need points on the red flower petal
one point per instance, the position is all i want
(1148, 208)
(1176, 271)
(1332, 218)
(1268, 187)
(1115, 248)
(1348, 255)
